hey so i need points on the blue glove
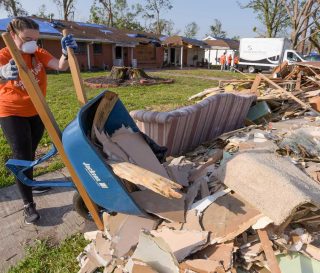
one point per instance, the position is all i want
(9, 71)
(68, 41)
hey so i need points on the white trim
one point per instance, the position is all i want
(181, 57)
(258, 64)
(88, 56)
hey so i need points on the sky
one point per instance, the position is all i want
(235, 21)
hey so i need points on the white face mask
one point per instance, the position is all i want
(29, 47)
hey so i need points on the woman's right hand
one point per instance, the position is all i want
(9, 71)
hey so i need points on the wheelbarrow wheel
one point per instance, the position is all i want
(80, 207)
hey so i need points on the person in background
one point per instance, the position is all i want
(223, 61)
(236, 61)
(229, 61)
(19, 120)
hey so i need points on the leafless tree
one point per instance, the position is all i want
(270, 13)
(107, 5)
(303, 15)
(13, 7)
(156, 7)
(67, 7)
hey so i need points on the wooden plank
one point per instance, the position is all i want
(103, 111)
(268, 251)
(289, 94)
(143, 177)
(75, 72)
(49, 122)
(255, 85)
(298, 83)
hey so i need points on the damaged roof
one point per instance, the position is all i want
(180, 40)
(93, 32)
(223, 43)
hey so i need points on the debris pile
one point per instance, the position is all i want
(235, 203)
(292, 92)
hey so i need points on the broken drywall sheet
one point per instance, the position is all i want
(103, 246)
(124, 231)
(182, 242)
(179, 170)
(202, 204)
(193, 192)
(169, 209)
(138, 150)
(263, 222)
(204, 189)
(201, 266)
(110, 148)
(220, 253)
(192, 221)
(228, 217)
(156, 253)
(265, 179)
(91, 235)
(136, 266)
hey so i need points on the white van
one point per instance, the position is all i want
(257, 54)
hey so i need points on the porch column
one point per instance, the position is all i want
(88, 56)
(169, 56)
(113, 54)
(181, 57)
(209, 58)
(131, 56)
(175, 57)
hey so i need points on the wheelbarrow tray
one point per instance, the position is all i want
(101, 184)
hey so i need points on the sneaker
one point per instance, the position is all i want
(38, 190)
(30, 213)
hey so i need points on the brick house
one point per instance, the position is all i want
(182, 51)
(100, 47)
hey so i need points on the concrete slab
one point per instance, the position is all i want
(58, 220)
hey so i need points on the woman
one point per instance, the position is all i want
(19, 120)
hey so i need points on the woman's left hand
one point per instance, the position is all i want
(68, 41)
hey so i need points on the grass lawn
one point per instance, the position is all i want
(45, 257)
(61, 98)
(209, 73)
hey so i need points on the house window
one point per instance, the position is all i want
(82, 48)
(97, 48)
(118, 52)
(40, 43)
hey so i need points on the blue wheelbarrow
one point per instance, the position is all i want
(105, 189)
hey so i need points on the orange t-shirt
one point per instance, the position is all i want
(14, 99)
(223, 59)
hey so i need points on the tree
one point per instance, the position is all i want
(271, 13)
(155, 7)
(116, 13)
(216, 30)
(13, 7)
(236, 37)
(304, 16)
(66, 7)
(42, 12)
(191, 30)
(107, 6)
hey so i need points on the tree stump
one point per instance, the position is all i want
(127, 73)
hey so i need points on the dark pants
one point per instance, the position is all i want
(23, 135)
